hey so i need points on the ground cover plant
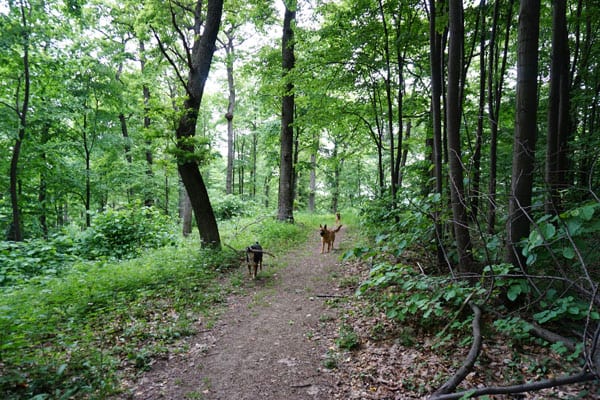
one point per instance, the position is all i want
(77, 332)
(525, 328)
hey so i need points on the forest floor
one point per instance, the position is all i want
(283, 337)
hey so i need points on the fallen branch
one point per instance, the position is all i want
(337, 296)
(521, 388)
(452, 383)
(552, 337)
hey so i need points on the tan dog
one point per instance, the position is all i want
(327, 237)
(338, 218)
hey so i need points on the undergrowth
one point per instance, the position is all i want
(73, 333)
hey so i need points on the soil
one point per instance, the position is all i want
(280, 337)
(269, 343)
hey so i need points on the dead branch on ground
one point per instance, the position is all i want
(467, 366)
(521, 388)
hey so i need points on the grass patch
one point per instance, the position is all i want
(74, 335)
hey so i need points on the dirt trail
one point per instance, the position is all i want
(268, 344)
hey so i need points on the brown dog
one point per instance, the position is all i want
(327, 237)
(254, 259)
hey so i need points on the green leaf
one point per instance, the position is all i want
(548, 231)
(568, 253)
(587, 212)
(513, 292)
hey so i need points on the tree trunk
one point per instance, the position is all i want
(476, 188)
(453, 116)
(286, 189)
(525, 131)
(495, 85)
(229, 57)
(558, 108)
(435, 54)
(15, 232)
(313, 182)
(202, 53)
(185, 211)
(390, 107)
(148, 195)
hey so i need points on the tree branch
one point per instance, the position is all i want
(467, 366)
(521, 388)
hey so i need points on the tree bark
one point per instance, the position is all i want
(523, 162)
(229, 54)
(148, 195)
(476, 187)
(286, 170)
(558, 108)
(435, 55)
(453, 116)
(201, 57)
(494, 87)
(15, 233)
(185, 211)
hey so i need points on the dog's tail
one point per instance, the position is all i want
(338, 228)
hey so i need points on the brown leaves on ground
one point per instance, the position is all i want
(397, 361)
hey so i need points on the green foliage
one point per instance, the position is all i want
(398, 228)
(126, 233)
(565, 237)
(347, 338)
(556, 308)
(404, 294)
(64, 336)
(231, 206)
(20, 261)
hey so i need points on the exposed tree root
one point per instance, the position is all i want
(521, 388)
(467, 366)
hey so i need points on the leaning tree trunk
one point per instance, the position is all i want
(201, 57)
(525, 131)
(286, 170)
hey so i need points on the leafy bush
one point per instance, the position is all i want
(126, 233)
(408, 294)
(20, 261)
(407, 225)
(230, 206)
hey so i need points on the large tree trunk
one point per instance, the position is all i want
(286, 170)
(453, 116)
(202, 53)
(525, 130)
(558, 108)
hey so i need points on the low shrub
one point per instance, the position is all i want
(126, 233)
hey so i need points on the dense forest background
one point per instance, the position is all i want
(464, 131)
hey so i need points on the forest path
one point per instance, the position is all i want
(270, 341)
